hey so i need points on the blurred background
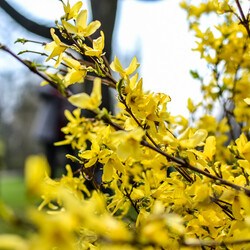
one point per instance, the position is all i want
(156, 31)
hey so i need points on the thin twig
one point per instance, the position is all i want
(23, 40)
(244, 21)
(224, 208)
(67, 92)
(181, 171)
(131, 201)
(103, 57)
(84, 62)
(108, 75)
(104, 81)
(181, 162)
(195, 169)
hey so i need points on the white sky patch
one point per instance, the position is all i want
(160, 30)
(45, 10)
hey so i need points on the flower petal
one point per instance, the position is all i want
(132, 67)
(69, 27)
(116, 66)
(81, 20)
(91, 28)
(80, 100)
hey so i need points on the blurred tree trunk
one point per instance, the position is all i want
(105, 11)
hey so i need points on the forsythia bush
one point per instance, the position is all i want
(172, 183)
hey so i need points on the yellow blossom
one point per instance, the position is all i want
(210, 147)
(76, 72)
(116, 66)
(71, 12)
(112, 163)
(243, 146)
(191, 107)
(187, 139)
(91, 155)
(81, 28)
(36, 169)
(98, 46)
(247, 100)
(57, 48)
(128, 142)
(11, 241)
(85, 101)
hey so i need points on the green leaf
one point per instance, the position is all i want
(98, 70)
(104, 114)
(21, 40)
(120, 87)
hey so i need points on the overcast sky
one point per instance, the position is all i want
(156, 32)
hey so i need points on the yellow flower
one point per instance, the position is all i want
(191, 107)
(84, 101)
(76, 72)
(246, 151)
(36, 169)
(81, 28)
(71, 12)
(187, 139)
(112, 163)
(129, 142)
(222, 6)
(247, 100)
(243, 146)
(11, 241)
(57, 48)
(244, 164)
(210, 147)
(91, 155)
(116, 66)
(98, 46)
(56, 231)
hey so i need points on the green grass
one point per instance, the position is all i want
(12, 191)
(13, 194)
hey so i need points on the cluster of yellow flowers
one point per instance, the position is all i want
(172, 184)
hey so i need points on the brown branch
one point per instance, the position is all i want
(224, 208)
(104, 81)
(67, 92)
(181, 171)
(23, 41)
(103, 56)
(244, 21)
(195, 169)
(82, 50)
(182, 163)
(227, 113)
(131, 201)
